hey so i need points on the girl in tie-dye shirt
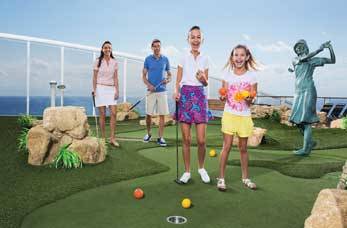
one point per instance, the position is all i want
(240, 84)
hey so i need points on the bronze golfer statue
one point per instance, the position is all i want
(304, 106)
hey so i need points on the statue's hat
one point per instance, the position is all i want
(302, 41)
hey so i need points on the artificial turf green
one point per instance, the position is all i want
(314, 166)
(26, 188)
(280, 201)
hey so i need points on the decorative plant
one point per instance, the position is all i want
(23, 140)
(67, 159)
(275, 116)
(26, 121)
(344, 123)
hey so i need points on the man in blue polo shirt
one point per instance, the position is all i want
(153, 76)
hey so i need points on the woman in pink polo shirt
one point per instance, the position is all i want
(105, 88)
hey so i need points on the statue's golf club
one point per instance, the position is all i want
(176, 115)
(96, 119)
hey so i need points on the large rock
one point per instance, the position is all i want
(63, 126)
(123, 107)
(55, 146)
(343, 179)
(336, 123)
(69, 119)
(133, 116)
(121, 116)
(39, 141)
(168, 120)
(90, 149)
(285, 117)
(261, 111)
(255, 139)
(329, 210)
(37, 122)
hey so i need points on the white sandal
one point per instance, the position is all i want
(249, 184)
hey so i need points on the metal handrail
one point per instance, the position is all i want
(93, 50)
(66, 45)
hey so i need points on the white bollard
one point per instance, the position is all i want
(53, 85)
(61, 88)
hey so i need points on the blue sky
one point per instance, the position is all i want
(269, 28)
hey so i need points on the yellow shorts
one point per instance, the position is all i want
(241, 126)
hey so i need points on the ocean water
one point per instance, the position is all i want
(16, 105)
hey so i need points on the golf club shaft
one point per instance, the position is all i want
(176, 140)
(138, 102)
(96, 119)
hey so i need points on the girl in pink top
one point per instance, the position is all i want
(105, 88)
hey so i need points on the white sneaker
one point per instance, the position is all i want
(147, 138)
(161, 141)
(185, 177)
(204, 176)
(221, 184)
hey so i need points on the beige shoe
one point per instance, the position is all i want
(114, 143)
(249, 184)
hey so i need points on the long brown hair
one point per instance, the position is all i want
(102, 53)
(250, 62)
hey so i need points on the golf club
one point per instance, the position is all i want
(138, 102)
(96, 119)
(176, 115)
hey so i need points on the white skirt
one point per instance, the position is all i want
(104, 95)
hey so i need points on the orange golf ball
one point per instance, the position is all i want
(222, 91)
(253, 94)
(138, 193)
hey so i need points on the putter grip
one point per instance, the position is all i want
(93, 95)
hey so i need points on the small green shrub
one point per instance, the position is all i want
(344, 123)
(26, 121)
(275, 116)
(67, 159)
(23, 140)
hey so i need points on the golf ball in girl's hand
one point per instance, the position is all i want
(186, 203)
(222, 92)
(138, 193)
(253, 94)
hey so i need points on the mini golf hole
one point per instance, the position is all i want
(176, 219)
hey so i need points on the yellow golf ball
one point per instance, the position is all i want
(212, 153)
(186, 203)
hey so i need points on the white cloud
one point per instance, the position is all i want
(275, 68)
(324, 33)
(39, 64)
(170, 51)
(279, 46)
(246, 37)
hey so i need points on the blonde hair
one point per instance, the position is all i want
(250, 62)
